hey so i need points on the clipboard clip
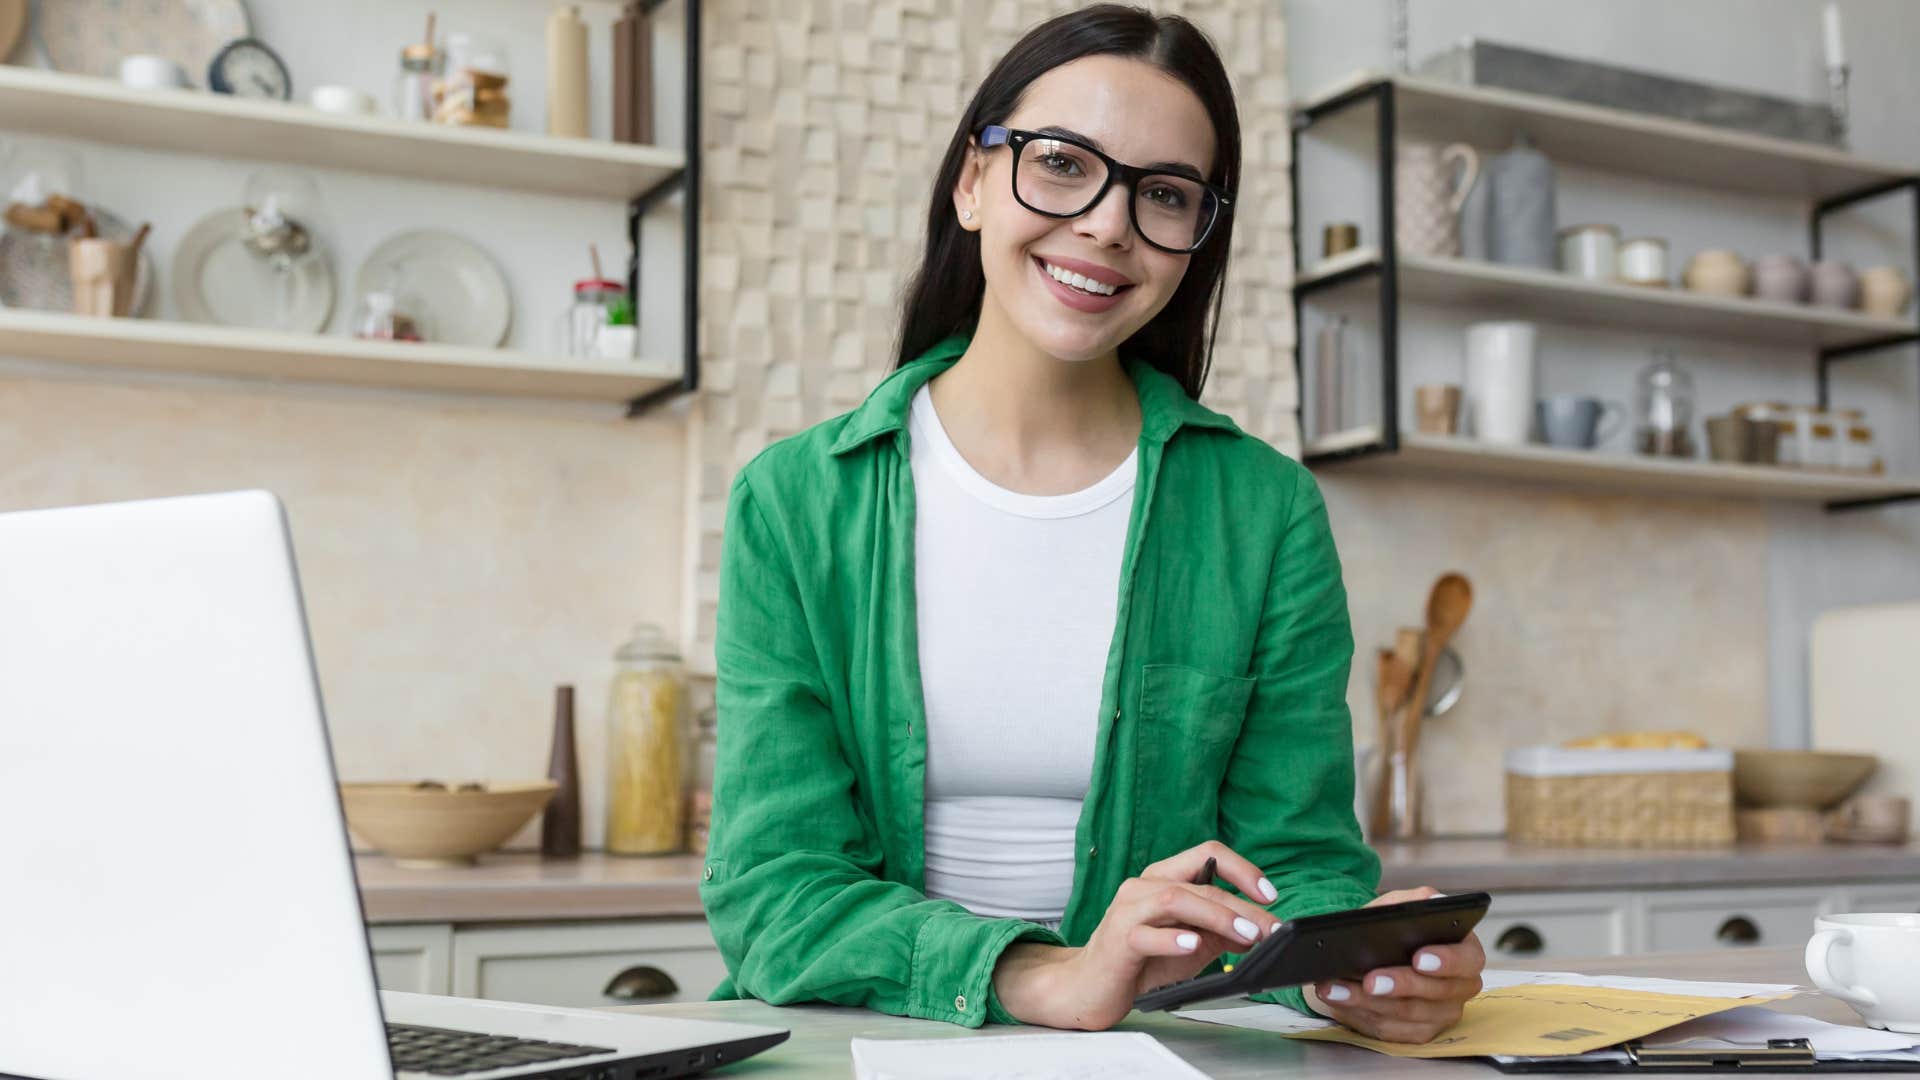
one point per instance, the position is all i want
(1776, 1053)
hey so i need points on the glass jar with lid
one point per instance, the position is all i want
(647, 748)
(420, 67)
(1663, 408)
(597, 302)
(1857, 451)
(1820, 442)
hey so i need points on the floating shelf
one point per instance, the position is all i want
(221, 350)
(1623, 141)
(197, 122)
(1455, 456)
(1546, 295)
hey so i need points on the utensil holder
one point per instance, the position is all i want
(1403, 798)
(103, 276)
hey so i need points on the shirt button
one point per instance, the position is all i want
(709, 873)
(1092, 851)
(960, 1003)
(1116, 713)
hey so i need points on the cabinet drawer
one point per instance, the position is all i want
(576, 965)
(1732, 918)
(417, 958)
(1523, 927)
(1899, 897)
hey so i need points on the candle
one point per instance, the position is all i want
(1835, 55)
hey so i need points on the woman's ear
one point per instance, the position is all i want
(966, 189)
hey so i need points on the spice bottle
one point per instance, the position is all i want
(647, 759)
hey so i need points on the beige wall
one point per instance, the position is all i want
(458, 559)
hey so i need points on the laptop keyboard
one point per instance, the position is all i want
(450, 1053)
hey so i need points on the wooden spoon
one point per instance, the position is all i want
(1447, 607)
(1390, 693)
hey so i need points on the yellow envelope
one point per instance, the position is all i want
(1547, 1020)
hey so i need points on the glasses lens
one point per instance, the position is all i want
(1173, 211)
(1054, 177)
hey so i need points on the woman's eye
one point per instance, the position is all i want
(1059, 163)
(1172, 198)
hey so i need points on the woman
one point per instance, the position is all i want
(1012, 654)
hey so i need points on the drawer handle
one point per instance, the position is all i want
(1738, 930)
(641, 983)
(1520, 940)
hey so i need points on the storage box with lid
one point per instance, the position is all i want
(1620, 798)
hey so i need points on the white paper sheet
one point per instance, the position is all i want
(1258, 1017)
(1495, 979)
(1104, 1055)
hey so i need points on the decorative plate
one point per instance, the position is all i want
(461, 288)
(90, 37)
(217, 280)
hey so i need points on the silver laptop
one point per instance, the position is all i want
(177, 894)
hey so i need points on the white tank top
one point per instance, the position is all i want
(1016, 603)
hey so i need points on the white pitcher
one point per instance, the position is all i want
(1430, 183)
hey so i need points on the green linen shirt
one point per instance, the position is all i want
(1222, 715)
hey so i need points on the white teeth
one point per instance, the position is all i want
(1079, 281)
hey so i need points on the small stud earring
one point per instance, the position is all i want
(966, 215)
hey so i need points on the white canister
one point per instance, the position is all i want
(343, 99)
(1643, 261)
(1500, 381)
(148, 72)
(1591, 252)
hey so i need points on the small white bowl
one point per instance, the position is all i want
(146, 72)
(342, 99)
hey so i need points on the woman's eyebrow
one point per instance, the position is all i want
(1180, 167)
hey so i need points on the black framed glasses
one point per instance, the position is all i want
(1061, 177)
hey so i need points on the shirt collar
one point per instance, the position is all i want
(1164, 407)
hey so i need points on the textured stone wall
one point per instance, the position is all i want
(824, 123)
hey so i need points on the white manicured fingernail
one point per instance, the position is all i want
(1268, 891)
(1187, 942)
(1427, 962)
(1383, 984)
(1245, 929)
(1337, 993)
(1274, 929)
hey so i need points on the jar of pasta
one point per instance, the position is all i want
(647, 748)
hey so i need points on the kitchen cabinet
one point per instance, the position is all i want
(414, 957)
(1900, 897)
(1524, 927)
(1693, 920)
(634, 962)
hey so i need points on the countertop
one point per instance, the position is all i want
(513, 887)
(819, 1047)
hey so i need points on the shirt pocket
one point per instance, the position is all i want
(1189, 722)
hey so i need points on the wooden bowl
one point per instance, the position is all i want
(1815, 779)
(428, 824)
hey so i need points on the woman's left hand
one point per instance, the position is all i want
(1406, 1004)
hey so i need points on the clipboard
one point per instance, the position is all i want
(1778, 1056)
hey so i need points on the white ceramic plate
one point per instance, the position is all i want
(90, 37)
(217, 280)
(33, 267)
(459, 286)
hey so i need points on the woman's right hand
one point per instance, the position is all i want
(1160, 928)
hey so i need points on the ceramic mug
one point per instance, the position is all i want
(151, 72)
(1881, 953)
(1885, 291)
(1577, 422)
(1500, 381)
(1644, 262)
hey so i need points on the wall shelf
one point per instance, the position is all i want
(221, 350)
(1426, 455)
(1565, 298)
(1616, 139)
(1826, 180)
(198, 122)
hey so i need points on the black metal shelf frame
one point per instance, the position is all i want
(685, 180)
(1380, 94)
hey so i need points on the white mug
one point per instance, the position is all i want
(151, 72)
(1500, 381)
(1879, 955)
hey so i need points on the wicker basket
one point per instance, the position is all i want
(1620, 798)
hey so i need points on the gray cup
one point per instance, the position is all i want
(1576, 422)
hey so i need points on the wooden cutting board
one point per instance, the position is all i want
(1864, 683)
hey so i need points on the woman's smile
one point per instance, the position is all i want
(1079, 285)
